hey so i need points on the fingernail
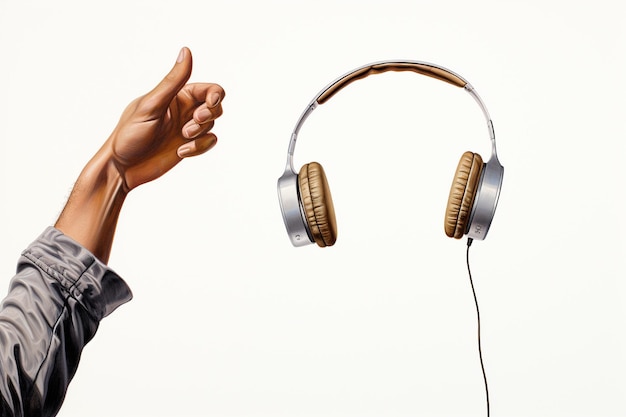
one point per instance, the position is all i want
(203, 115)
(183, 151)
(192, 130)
(181, 56)
(213, 99)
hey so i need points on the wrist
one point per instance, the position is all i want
(92, 210)
(103, 174)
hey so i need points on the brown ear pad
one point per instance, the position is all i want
(462, 193)
(318, 204)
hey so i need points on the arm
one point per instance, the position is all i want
(55, 303)
(63, 287)
(154, 134)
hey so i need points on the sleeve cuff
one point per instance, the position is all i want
(85, 278)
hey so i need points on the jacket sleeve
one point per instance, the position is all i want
(54, 305)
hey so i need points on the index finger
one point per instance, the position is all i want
(210, 93)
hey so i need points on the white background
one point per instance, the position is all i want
(228, 318)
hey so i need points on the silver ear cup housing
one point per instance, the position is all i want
(486, 199)
(291, 208)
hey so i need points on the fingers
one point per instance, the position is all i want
(193, 129)
(197, 146)
(158, 100)
(211, 94)
(201, 101)
(209, 97)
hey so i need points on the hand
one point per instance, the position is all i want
(171, 122)
(155, 132)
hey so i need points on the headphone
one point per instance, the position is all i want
(305, 198)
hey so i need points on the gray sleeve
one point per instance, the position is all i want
(54, 305)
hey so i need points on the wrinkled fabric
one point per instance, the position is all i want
(53, 308)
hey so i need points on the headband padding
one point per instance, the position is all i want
(317, 204)
(462, 193)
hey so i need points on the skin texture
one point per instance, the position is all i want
(154, 133)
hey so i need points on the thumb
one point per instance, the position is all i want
(163, 94)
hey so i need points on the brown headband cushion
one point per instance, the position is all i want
(462, 193)
(318, 204)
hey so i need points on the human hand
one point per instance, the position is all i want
(171, 122)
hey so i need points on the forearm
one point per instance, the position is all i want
(92, 210)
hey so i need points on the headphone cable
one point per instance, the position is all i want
(480, 352)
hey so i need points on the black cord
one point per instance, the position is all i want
(480, 350)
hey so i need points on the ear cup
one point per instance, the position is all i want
(462, 192)
(317, 204)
